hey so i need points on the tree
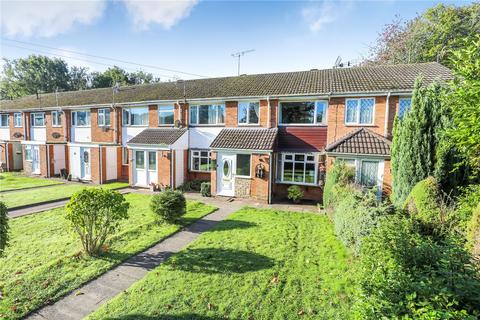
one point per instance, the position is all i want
(79, 78)
(94, 214)
(109, 78)
(3, 227)
(430, 36)
(464, 102)
(141, 77)
(168, 206)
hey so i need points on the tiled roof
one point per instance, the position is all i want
(313, 82)
(245, 139)
(361, 141)
(158, 136)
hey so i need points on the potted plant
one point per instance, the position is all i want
(295, 194)
(153, 186)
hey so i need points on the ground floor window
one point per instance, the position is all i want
(28, 153)
(298, 168)
(152, 160)
(243, 165)
(366, 171)
(124, 156)
(200, 160)
(140, 159)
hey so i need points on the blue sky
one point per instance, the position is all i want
(199, 36)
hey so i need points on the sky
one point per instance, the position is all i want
(196, 38)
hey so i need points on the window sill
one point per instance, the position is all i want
(243, 177)
(80, 126)
(134, 125)
(38, 126)
(303, 125)
(360, 125)
(57, 126)
(298, 183)
(166, 125)
(207, 125)
(199, 171)
(16, 127)
(249, 124)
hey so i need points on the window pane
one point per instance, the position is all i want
(297, 112)
(243, 112)
(204, 164)
(125, 117)
(194, 115)
(165, 115)
(243, 164)
(17, 119)
(366, 110)
(299, 157)
(221, 114)
(351, 116)
(321, 109)
(206, 114)
(139, 116)
(152, 161)
(195, 163)
(38, 120)
(288, 157)
(107, 117)
(404, 106)
(140, 159)
(4, 120)
(369, 173)
(299, 172)
(28, 153)
(310, 158)
(82, 119)
(310, 173)
(253, 112)
(287, 171)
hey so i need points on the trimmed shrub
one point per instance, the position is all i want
(473, 232)
(206, 189)
(168, 206)
(94, 214)
(295, 193)
(3, 227)
(338, 174)
(193, 185)
(466, 204)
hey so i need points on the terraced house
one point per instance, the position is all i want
(250, 135)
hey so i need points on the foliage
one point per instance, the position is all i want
(256, 264)
(473, 232)
(192, 185)
(116, 75)
(3, 227)
(206, 189)
(406, 274)
(42, 261)
(464, 102)
(420, 146)
(356, 214)
(341, 174)
(431, 36)
(294, 193)
(95, 214)
(168, 206)
(465, 205)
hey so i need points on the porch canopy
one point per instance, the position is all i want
(252, 139)
(361, 142)
(161, 138)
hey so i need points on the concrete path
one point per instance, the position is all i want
(91, 296)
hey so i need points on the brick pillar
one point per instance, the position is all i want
(259, 186)
(130, 167)
(51, 157)
(43, 160)
(164, 167)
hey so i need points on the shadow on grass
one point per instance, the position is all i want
(233, 224)
(215, 260)
(183, 316)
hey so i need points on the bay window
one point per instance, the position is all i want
(56, 118)
(165, 115)
(103, 117)
(303, 112)
(298, 168)
(4, 120)
(207, 114)
(200, 160)
(243, 165)
(248, 112)
(359, 111)
(135, 116)
(17, 119)
(81, 118)
(404, 105)
(37, 119)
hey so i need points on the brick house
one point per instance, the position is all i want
(251, 135)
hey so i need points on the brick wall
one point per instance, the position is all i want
(153, 115)
(387, 178)
(95, 164)
(57, 133)
(51, 159)
(101, 133)
(164, 169)
(259, 186)
(231, 113)
(43, 161)
(16, 133)
(309, 192)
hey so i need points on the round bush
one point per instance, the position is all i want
(424, 202)
(206, 189)
(3, 227)
(168, 206)
(295, 193)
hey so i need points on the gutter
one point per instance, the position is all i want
(6, 156)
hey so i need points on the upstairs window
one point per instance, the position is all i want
(403, 106)
(200, 160)
(359, 111)
(248, 112)
(165, 115)
(207, 114)
(103, 117)
(37, 119)
(299, 168)
(135, 116)
(17, 119)
(303, 112)
(4, 120)
(56, 119)
(81, 118)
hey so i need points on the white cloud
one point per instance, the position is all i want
(319, 14)
(163, 12)
(47, 18)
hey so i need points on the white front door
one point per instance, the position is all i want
(85, 172)
(226, 174)
(145, 168)
(35, 159)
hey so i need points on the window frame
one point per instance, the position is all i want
(314, 123)
(209, 159)
(249, 163)
(88, 116)
(125, 159)
(142, 152)
(293, 161)
(102, 113)
(148, 160)
(159, 111)
(28, 151)
(15, 116)
(1, 121)
(56, 115)
(248, 123)
(32, 119)
(399, 102)
(128, 123)
(196, 107)
(358, 169)
(358, 116)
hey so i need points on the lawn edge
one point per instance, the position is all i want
(34, 187)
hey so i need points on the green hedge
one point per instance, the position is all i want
(473, 232)
(338, 174)
(3, 227)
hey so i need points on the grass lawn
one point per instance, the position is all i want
(258, 264)
(31, 196)
(44, 260)
(13, 181)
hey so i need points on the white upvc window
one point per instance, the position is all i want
(103, 117)
(208, 114)
(360, 111)
(200, 160)
(81, 118)
(243, 165)
(368, 172)
(56, 118)
(404, 104)
(18, 119)
(135, 116)
(4, 120)
(165, 115)
(37, 119)
(124, 156)
(28, 153)
(248, 112)
(298, 168)
(303, 112)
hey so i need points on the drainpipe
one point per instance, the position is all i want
(115, 131)
(179, 113)
(47, 148)
(270, 178)
(6, 156)
(100, 163)
(269, 115)
(387, 113)
(24, 126)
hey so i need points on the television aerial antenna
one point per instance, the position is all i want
(238, 55)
